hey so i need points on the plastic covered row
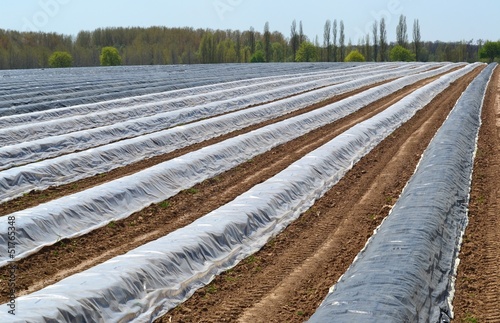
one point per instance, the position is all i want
(80, 213)
(136, 101)
(145, 283)
(53, 146)
(72, 167)
(174, 78)
(21, 81)
(110, 113)
(406, 271)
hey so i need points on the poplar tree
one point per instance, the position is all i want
(301, 34)
(383, 41)
(294, 39)
(267, 43)
(342, 41)
(326, 39)
(402, 32)
(334, 30)
(417, 39)
(375, 41)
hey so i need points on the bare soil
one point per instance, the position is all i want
(35, 198)
(287, 280)
(477, 296)
(68, 257)
(289, 277)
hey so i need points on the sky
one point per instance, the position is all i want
(439, 20)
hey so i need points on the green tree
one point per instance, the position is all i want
(402, 32)
(294, 39)
(206, 50)
(245, 54)
(306, 53)
(60, 59)
(268, 50)
(326, 39)
(342, 41)
(355, 56)
(383, 41)
(110, 57)
(401, 54)
(417, 39)
(258, 57)
(375, 41)
(334, 31)
(278, 52)
(490, 51)
(302, 36)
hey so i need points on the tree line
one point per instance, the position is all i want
(162, 45)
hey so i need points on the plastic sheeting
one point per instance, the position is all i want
(83, 212)
(160, 111)
(148, 281)
(31, 151)
(22, 153)
(17, 181)
(136, 81)
(83, 109)
(405, 273)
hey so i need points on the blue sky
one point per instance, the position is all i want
(439, 19)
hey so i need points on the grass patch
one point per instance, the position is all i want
(469, 318)
(212, 289)
(192, 191)
(251, 259)
(164, 204)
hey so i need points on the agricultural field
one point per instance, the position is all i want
(251, 193)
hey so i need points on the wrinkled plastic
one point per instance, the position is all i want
(80, 213)
(199, 92)
(41, 90)
(148, 281)
(109, 113)
(405, 272)
(17, 181)
(116, 124)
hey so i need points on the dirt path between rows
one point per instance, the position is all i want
(287, 280)
(69, 257)
(477, 296)
(35, 198)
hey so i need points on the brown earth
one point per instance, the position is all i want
(68, 257)
(35, 198)
(477, 296)
(289, 277)
(287, 280)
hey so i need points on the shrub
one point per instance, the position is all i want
(110, 57)
(401, 54)
(60, 59)
(490, 51)
(306, 53)
(258, 57)
(355, 56)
